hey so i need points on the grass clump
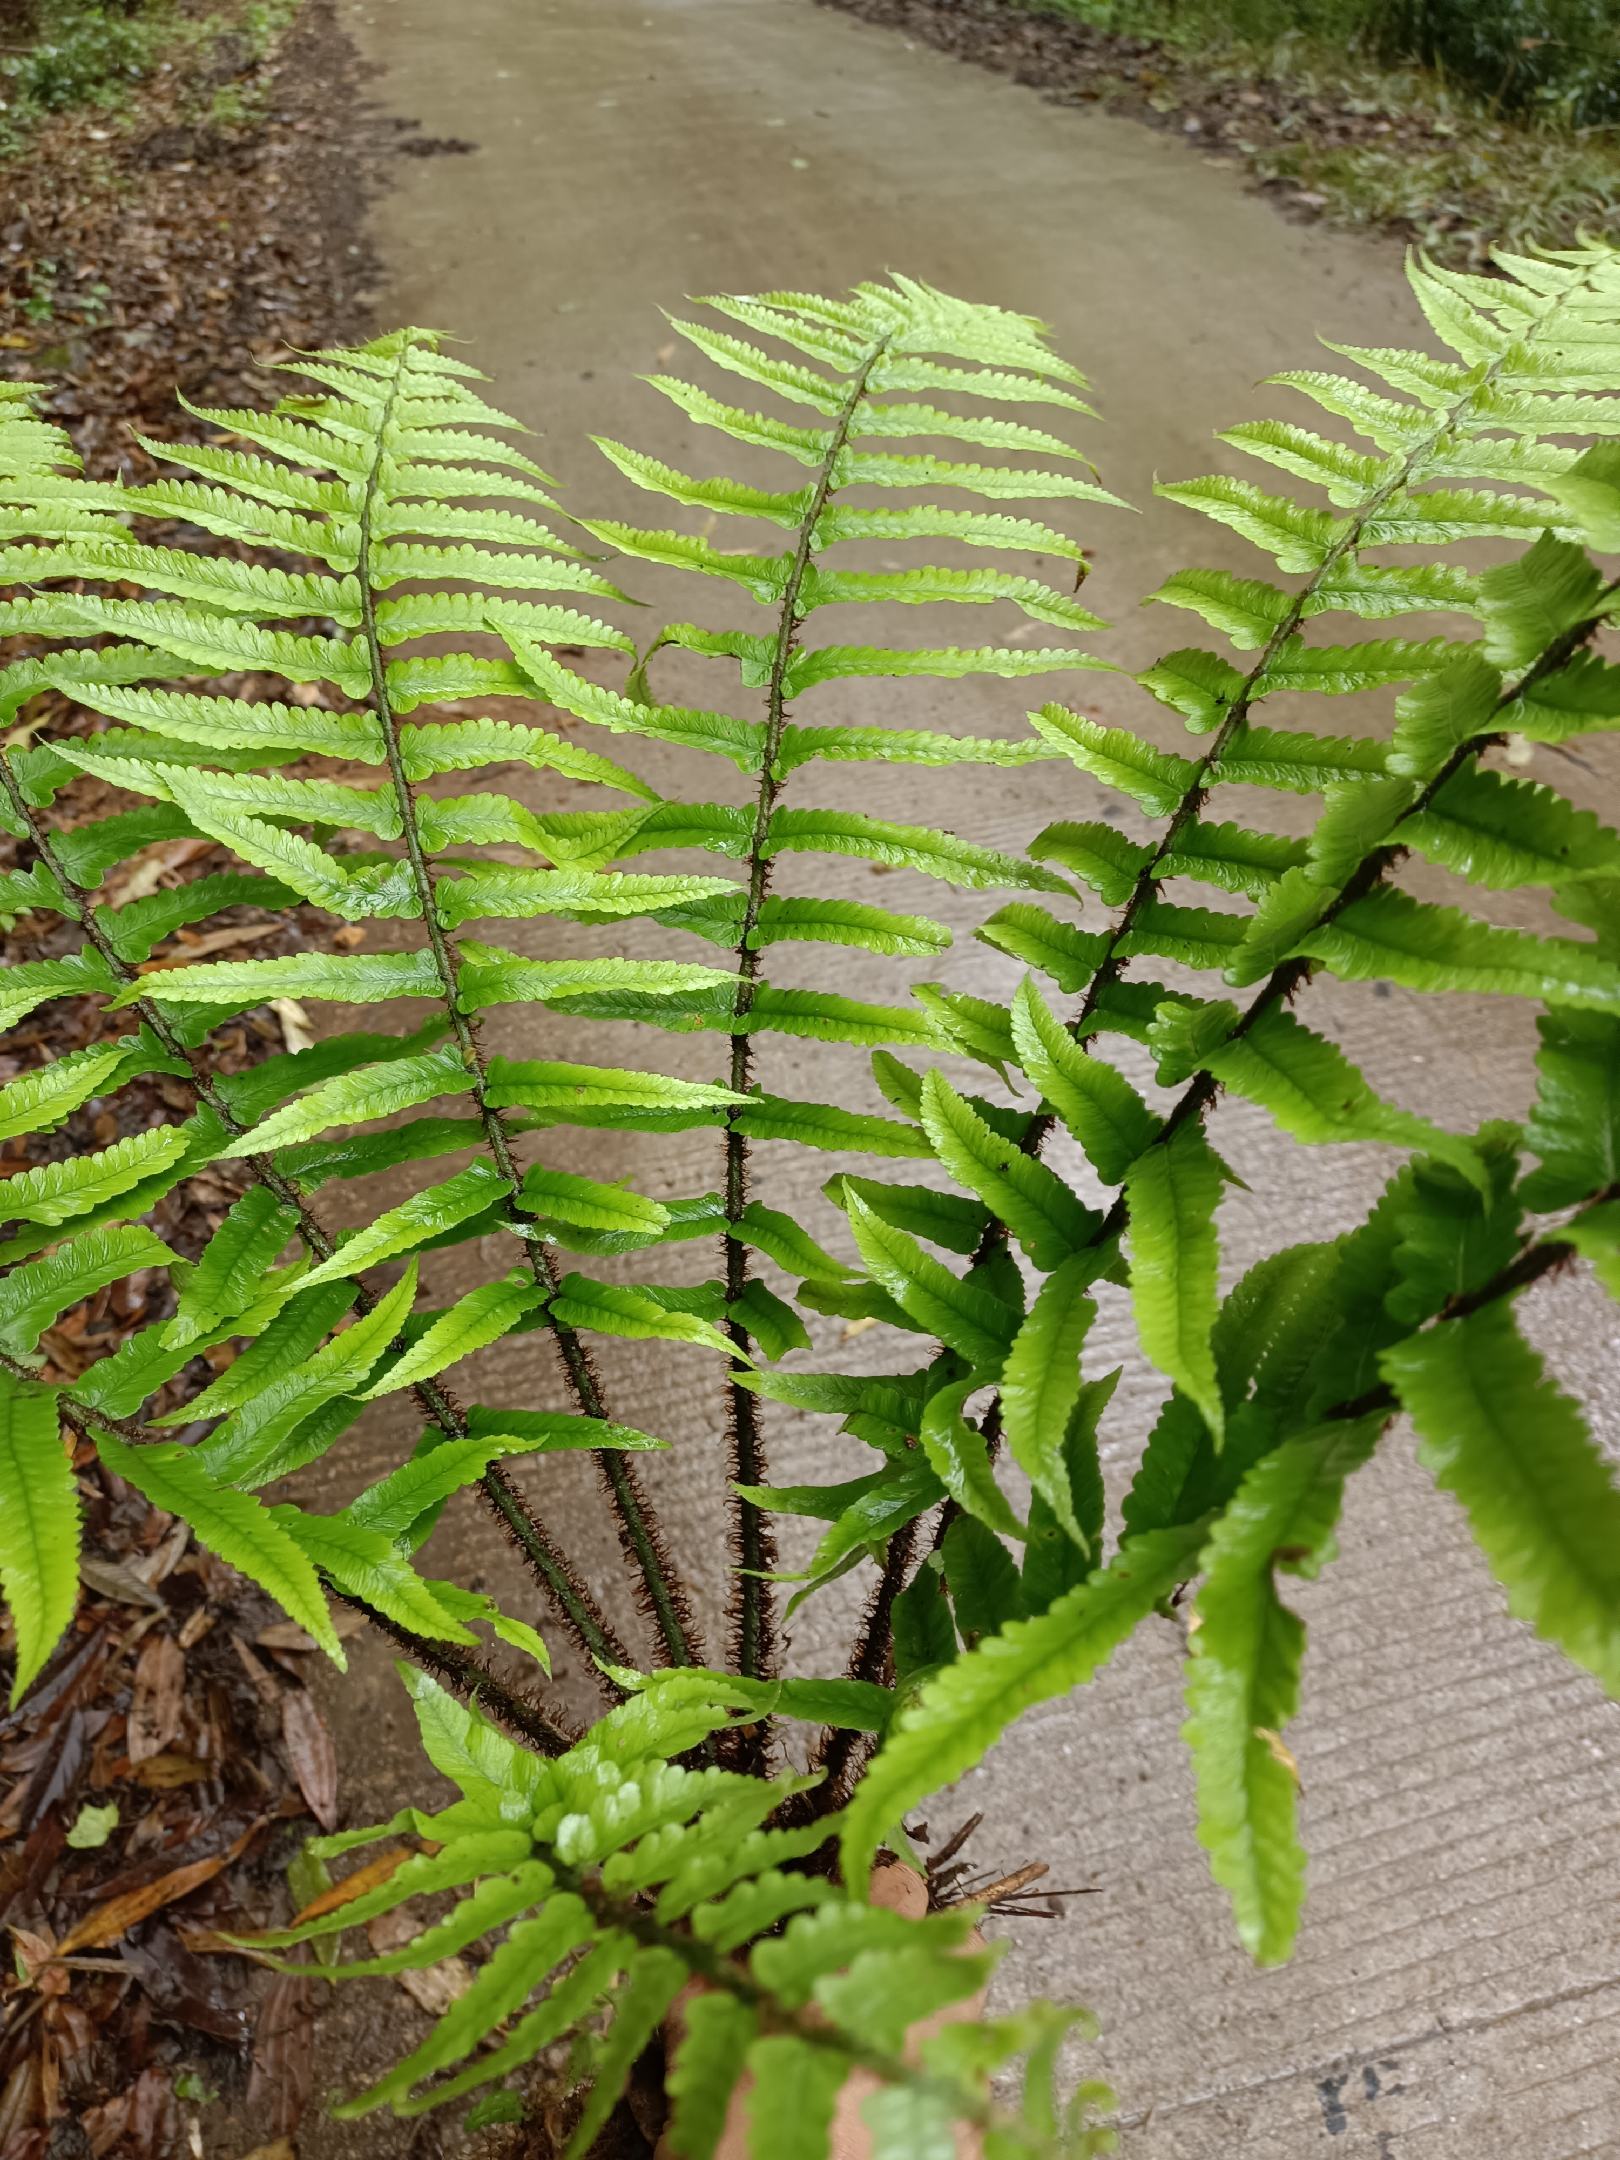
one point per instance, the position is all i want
(74, 54)
(1460, 126)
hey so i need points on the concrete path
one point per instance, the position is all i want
(1457, 1985)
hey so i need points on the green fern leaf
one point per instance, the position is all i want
(500, 891)
(1503, 833)
(1096, 854)
(921, 586)
(1246, 610)
(1033, 935)
(552, 1086)
(1582, 698)
(964, 1709)
(1574, 1128)
(1298, 538)
(837, 663)
(493, 977)
(1033, 1201)
(234, 1526)
(1496, 1432)
(481, 1317)
(1306, 1082)
(1402, 940)
(941, 1218)
(54, 1192)
(633, 1312)
(470, 745)
(926, 521)
(793, 2097)
(548, 1431)
(135, 929)
(908, 847)
(963, 1316)
(406, 1227)
(274, 1426)
(33, 982)
(959, 1457)
(595, 1206)
(1297, 763)
(727, 496)
(349, 978)
(1444, 711)
(1041, 1386)
(38, 1101)
(1154, 778)
(39, 1526)
(1529, 604)
(1243, 1676)
(901, 746)
(366, 1564)
(828, 1125)
(1172, 1191)
(350, 1098)
(233, 1270)
(717, 2031)
(995, 483)
(217, 723)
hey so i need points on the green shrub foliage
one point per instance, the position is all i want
(398, 565)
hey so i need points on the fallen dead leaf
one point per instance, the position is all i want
(355, 1885)
(105, 1924)
(283, 2060)
(294, 1023)
(282, 2149)
(313, 1757)
(194, 945)
(159, 1699)
(111, 1580)
(163, 1773)
(436, 1988)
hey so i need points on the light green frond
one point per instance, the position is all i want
(926, 521)
(232, 1525)
(904, 847)
(925, 585)
(727, 496)
(1154, 778)
(39, 1526)
(1406, 941)
(901, 746)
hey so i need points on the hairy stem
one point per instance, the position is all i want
(471, 1681)
(754, 1545)
(638, 1529)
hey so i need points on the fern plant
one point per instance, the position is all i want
(277, 703)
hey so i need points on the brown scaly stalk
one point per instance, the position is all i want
(551, 1568)
(663, 1592)
(466, 1676)
(753, 1626)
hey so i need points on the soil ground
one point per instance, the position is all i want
(1458, 1980)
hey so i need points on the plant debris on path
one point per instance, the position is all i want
(1389, 150)
(162, 1773)
(187, 239)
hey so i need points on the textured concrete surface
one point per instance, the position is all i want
(1456, 1988)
